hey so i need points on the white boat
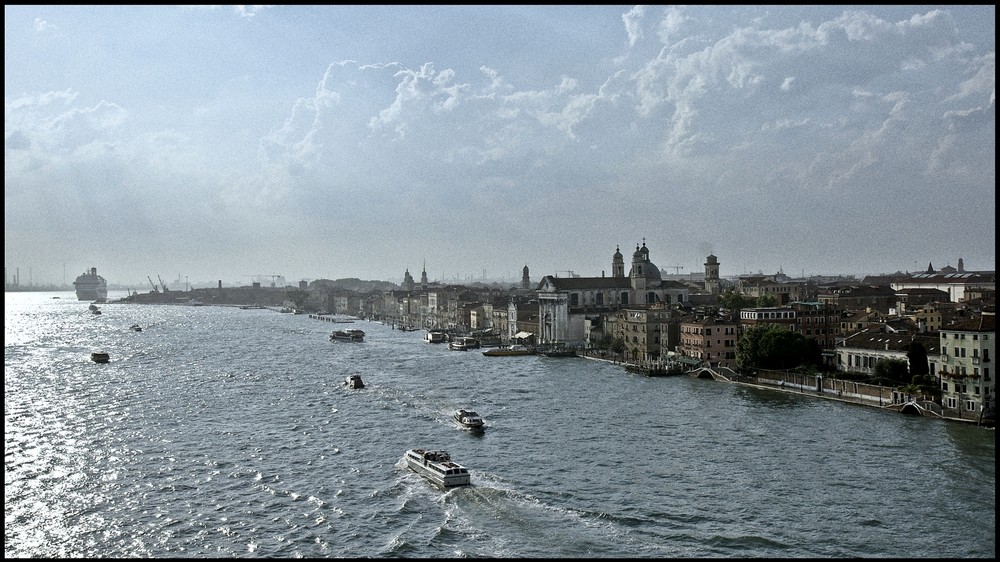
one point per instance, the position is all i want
(437, 467)
(435, 336)
(515, 349)
(90, 286)
(470, 419)
(354, 381)
(352, 334)
(463, 343)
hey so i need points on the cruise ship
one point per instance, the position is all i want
(90, 286)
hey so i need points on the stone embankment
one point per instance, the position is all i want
(820, 386)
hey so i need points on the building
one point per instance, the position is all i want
(860, 351)
(956, 285)
(779, 286)
(880, 298)
(967, 351)
(568, 307)
(712, 339)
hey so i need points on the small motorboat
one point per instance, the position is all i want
(100, 357)
(135, 328)
(354, 381)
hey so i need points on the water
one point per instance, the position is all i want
(220, 432)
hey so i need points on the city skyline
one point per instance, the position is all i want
(218, 143)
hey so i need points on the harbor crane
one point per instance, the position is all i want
(162, 284)
(677, 268)
(260, 278)
(155, 290)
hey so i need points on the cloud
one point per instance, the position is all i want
(840, 114)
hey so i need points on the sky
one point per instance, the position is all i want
(223, 143)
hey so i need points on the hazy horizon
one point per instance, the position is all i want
(218, 143)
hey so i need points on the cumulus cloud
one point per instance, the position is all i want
(851, 108)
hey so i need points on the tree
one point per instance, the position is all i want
(734, 301)
(892, 371)
(766, 300)
(772, 346)
(917, 356)
(297, 296)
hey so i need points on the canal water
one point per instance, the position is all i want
(221, 432)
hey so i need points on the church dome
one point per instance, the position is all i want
(648, 269)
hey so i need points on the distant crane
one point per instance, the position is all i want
(260, 278)
(155, 290)
(566, 271)
(162, 284)
(677, 268)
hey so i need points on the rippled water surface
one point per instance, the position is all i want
(218, 431)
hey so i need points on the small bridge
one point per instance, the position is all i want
(917, 408)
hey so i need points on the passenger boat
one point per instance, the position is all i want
(90, 286)
(470, 419)
(100, 357)
(135, 328)
(463, 343)
(503, 351)
(435, 336)
(437, 467)
(352, 334)
(354, 381)
(558, 351)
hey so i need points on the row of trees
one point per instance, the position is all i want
(770, 346)
(774, 347)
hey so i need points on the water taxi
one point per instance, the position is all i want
(437, 467)
(435, 336)
(463, 343)
(352, 334)
(100, 357)
(354, 381)
(516, 349)
(469, 419)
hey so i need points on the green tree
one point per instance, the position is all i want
(917, 356)
(618, 346)
(766, 300)
(772, 346)
(891, 371)
(734, 301)
(298, 297)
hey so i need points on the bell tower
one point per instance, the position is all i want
(712, 274)
(617, 264)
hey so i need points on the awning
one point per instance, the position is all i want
(523, 335)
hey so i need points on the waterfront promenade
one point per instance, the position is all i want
(828, 388)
